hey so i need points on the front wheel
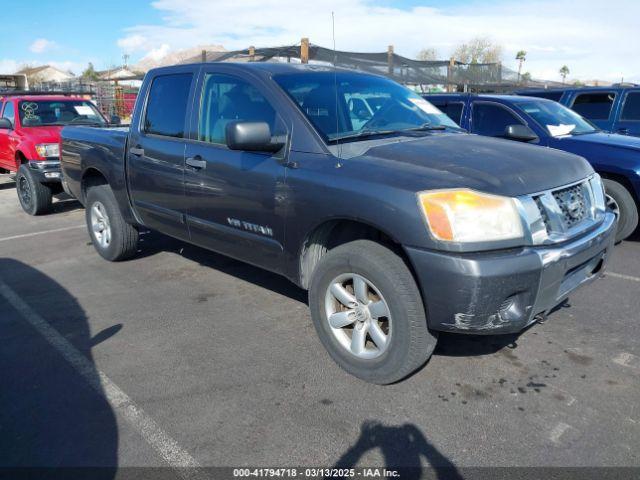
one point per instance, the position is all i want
(621, 202)
(112, 237)
(35, 198)
(368, 312)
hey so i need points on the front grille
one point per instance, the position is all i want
(572, 203)
(565, 209)
(543, 213)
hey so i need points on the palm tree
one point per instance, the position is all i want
(521, 56)
(564, 71)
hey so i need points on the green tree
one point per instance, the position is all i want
(564, 71)
(478, 50)
(526, 77)
(90, 73)
(521, 56)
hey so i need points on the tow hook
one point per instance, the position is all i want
(540, 318)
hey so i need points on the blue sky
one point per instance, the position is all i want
(593, 40)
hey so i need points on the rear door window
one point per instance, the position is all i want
(594, 106)
(453, 110)
(167, 105)
(631, 109)
(492, 119)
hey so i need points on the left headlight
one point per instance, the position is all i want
(464, 216)
(46, 150)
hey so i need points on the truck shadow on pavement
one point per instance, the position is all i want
(50, 416)
(404, 449)
(449, 344)
(153, 242)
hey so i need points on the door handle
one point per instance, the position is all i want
(137, 151)
(196, 162)
(623, 131)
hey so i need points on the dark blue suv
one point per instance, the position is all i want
(549, 124)
(613, 109)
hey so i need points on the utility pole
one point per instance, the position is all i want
(390, 59)
(252, 53)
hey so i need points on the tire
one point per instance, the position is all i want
(112, 237)
(35, 198)
(409, 343)
(627, 208)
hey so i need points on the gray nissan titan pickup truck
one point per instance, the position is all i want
(398, 223)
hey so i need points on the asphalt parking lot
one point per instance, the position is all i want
(181, 355)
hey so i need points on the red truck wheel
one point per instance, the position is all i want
(35, 198)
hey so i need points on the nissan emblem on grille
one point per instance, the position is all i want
(572, 203)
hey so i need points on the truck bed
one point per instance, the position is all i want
(99, 151)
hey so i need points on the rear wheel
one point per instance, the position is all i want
(368, 312)
(35, 198)
(112, 237)
(621, 202)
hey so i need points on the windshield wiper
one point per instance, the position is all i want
(364, 134)
(427, 127)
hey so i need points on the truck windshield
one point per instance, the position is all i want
(40, 113)
(558, 119)
(366, 105)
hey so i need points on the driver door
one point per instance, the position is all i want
(234, 198)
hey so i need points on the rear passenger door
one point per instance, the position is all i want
(156, 153)
(235, 202)
(628, 122)
(597, 107)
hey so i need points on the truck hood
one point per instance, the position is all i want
(490, 165)
(601, 138)
(43, 134)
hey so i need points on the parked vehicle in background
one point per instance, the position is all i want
(613, 109)
(398, 224)
(547, 123)
(30, 127)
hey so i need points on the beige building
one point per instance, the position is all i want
(46, 73)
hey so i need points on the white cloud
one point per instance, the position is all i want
(8, 65)
(591, 40)
(134, 43)
(42, 45)
(157, 54)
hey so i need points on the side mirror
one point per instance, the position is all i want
(521, 133)
(251, 136)
(115, 120)
(5, 124)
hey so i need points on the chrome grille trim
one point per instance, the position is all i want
(561, 213)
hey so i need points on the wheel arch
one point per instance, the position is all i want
(334, 232)
(91, 176)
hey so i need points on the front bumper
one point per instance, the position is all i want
(46, 171)
(504, 291)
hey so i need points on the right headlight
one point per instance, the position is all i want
(464, 215)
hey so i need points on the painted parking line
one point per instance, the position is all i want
(160, 441)
(558, 431)
(627, 360)
(44, 232)
(624, 277)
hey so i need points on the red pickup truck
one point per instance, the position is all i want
(30, 126)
